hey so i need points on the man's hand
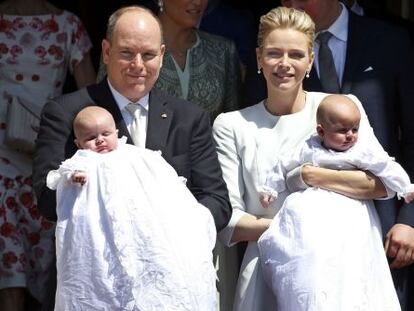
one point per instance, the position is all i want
(399, 245)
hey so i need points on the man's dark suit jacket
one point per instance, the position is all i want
(179, 129)
(379, 69)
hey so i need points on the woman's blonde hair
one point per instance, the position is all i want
(286, 18)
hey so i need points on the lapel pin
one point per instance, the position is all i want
(164, 115)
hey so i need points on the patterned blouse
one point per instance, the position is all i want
(214, 74)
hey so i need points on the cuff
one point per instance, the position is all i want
(265, 190)
(390, 193)
(294, 181)
(52, 179)
(406, 214)
(226, 233)
(406, 190)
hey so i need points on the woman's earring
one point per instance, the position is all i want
(307, 73)
(259, 71)
(161, 5)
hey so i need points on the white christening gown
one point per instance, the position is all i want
(133, 237)
(323, 250)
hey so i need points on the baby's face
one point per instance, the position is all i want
(341, 134)
(100, 136)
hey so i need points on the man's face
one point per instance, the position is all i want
(134, 55)
(322, 12)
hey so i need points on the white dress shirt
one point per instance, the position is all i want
(122, 102)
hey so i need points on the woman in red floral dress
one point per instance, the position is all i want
(38, 44)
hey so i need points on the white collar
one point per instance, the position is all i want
(339, 29)
(122, 101)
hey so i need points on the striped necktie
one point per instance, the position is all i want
(327, 71)
(134, 110)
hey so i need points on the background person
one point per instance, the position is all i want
(39, 43)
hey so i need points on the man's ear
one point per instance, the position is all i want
(117, 133)
(162, 55)
(320, 130)
(105, 51)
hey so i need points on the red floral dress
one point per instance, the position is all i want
(35, 54)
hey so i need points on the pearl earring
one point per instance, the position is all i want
(259, 71)
(307, 73)
(161, 5)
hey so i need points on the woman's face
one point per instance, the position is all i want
(284, 59)
(186, 13)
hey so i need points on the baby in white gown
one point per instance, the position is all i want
(323, 250)
(129, 235)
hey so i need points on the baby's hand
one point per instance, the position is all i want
(79, 177)
(266, 200)
(409, 197)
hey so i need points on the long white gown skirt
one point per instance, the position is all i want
(133, 237)
(324, 251)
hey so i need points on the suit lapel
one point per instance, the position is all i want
(159, 121)
(357, 38)
(102, 96)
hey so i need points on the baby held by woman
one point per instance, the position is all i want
(324, 250)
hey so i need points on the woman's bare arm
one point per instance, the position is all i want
(84, 73)
(250, 228)
(355, 184)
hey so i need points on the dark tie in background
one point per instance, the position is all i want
(327, 72)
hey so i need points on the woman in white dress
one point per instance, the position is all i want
(249, 142)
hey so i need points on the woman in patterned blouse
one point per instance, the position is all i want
(38, 44)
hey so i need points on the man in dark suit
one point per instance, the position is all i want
(377, 9)
(374, 61)
(133, 52)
